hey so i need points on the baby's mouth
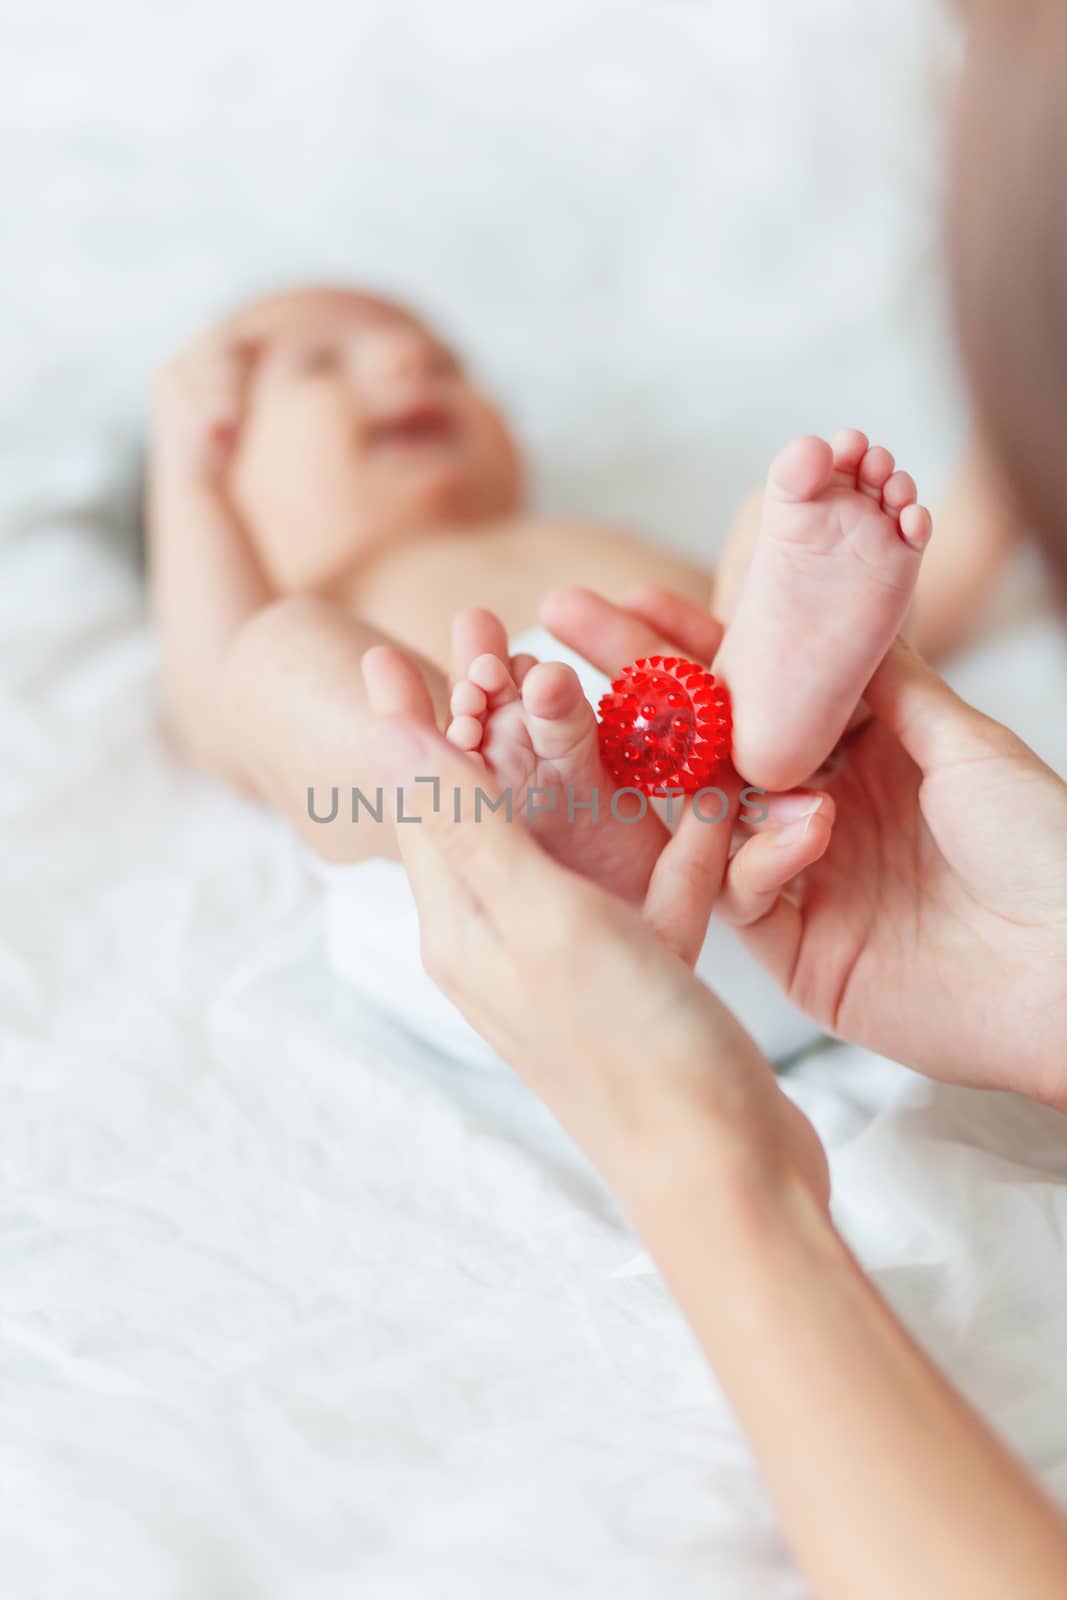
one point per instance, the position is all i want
(416, 425)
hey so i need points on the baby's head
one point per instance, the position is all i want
(361, 427)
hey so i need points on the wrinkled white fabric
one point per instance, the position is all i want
(291, 1306)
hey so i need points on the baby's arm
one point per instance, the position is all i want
(266, 691)
(205, 578)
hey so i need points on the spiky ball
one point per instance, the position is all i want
(665, 724)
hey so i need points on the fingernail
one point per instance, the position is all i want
(792, 833)
(785, 808)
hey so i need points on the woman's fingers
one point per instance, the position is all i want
(694, 877)
(398, 697)
(603, 633)
(801, 825)
(459, 947)
(755, 896)
(476, 632)
(611, 636)
(688, 876)
(686, 626)
(395, 686)
(457, 818)
(932, 723)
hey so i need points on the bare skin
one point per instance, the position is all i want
(978, 527)
(829, 583)
(885, 1481)
(828, 587)
(327, 480)
(265, 636)
(941, 890)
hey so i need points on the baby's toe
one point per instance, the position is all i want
(916, 526)
(899, 491)
(802, 470)
(559, 717)
(490, 673)
(520, 666)
(874, 470)
(468, 700)
(552, 690)
(849, 447)
(465, 732)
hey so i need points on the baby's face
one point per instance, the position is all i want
(361, 427)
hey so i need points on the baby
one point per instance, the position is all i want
(327, 478)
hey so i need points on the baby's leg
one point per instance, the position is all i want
(537, 734)
(295, 707)
(978, 526)
(830, 579)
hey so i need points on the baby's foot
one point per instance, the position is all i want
(537, 733)
(827, 590)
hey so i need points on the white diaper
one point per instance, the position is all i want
(372, 940)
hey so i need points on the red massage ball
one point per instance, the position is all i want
(665, 724)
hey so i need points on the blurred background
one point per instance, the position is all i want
(671, 233)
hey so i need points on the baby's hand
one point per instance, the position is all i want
(198, 404)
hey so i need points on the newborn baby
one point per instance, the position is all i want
(326, 478)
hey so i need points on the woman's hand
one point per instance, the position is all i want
(593, 1005)
(934, 928)
(725, 1180)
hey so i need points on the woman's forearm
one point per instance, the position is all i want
(888, 1486)
(886, 1482)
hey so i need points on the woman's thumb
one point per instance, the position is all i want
(934, 725)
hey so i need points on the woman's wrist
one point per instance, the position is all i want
(741, 1176)
(852, 1427)
(704, 1127)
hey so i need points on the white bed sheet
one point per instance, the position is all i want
(289, 1308)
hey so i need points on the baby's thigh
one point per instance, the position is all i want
(299, 713)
